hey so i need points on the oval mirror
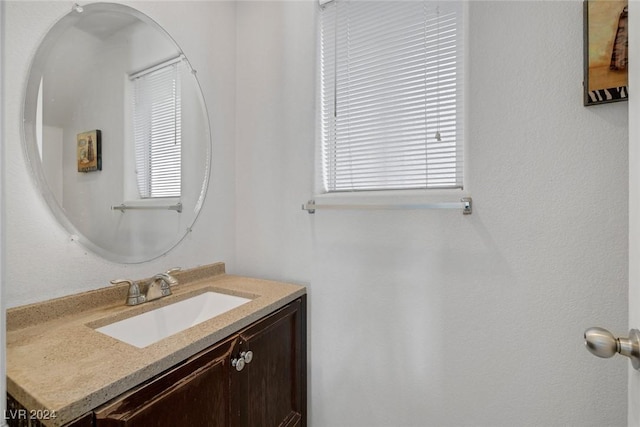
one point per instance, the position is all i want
(116, 132)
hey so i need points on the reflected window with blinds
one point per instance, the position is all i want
(391, 113)
(157, 130)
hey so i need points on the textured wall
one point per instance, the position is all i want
(432, 318)
(416, 318)
(634, 208)
(3, 341)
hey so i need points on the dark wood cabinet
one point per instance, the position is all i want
(210, 390)
(195, 393)
(273, 390)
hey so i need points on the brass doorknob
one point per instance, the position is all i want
(602, 343)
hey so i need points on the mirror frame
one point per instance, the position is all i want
(29, 133)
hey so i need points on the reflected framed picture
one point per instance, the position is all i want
(605, 51)
(89, 151)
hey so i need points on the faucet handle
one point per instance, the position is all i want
(133, 296)
(169, 280)
(174, 270)
(119, 281)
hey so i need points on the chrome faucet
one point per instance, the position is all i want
(160, 285)
(157, 287)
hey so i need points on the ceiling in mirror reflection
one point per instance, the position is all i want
(103, 25)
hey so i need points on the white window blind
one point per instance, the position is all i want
(157, 131)
(391, 95)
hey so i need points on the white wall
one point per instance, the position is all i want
(95, 102)
(52, 158)
(416, 318)
(432, 318)
(275, 122)
(42, 261)
(634, 207)
(3, 380)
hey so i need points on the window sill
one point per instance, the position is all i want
(399, 197)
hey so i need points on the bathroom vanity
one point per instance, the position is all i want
(243, 367)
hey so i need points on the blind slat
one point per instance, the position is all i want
(391, 76)
(157, 132)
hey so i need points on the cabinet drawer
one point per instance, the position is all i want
(196, 393)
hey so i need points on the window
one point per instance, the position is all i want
(157, 130)
(391, 95)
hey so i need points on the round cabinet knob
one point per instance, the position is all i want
(602, 343)
(247, 356)
(238, 364)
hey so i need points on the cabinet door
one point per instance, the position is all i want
(196, 393)
(274, 386)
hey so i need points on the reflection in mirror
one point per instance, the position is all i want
(117, 133)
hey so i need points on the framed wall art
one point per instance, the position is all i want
(605, 51)
(89, 151)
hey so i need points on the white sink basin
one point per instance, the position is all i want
(150, 327)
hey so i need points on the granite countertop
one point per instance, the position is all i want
(58, 363)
